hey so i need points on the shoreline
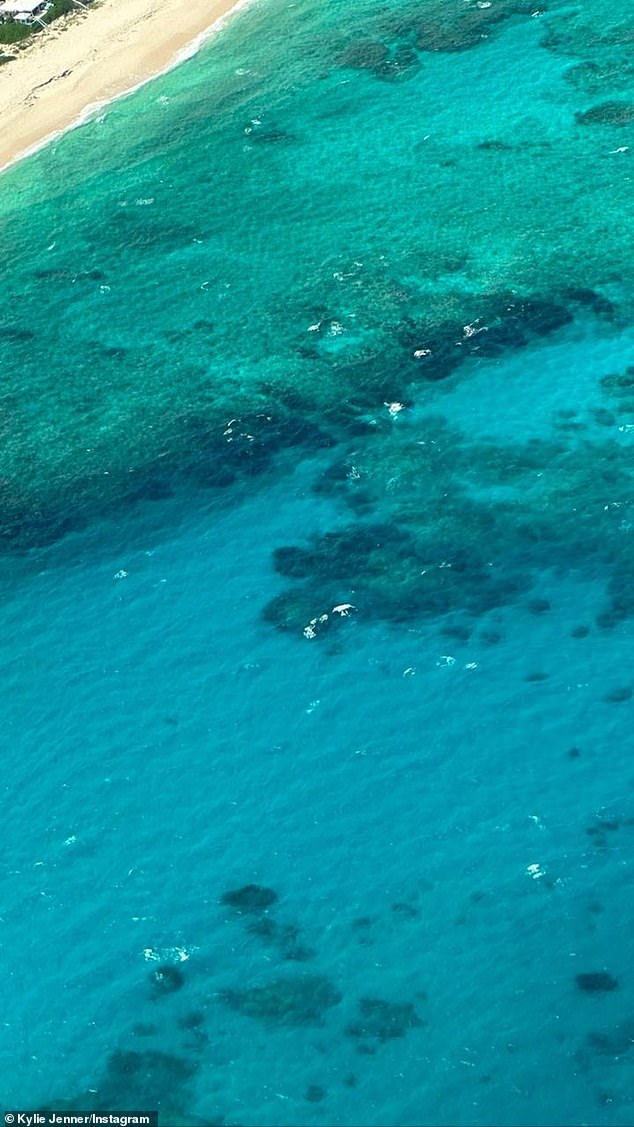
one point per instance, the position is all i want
(88, 59)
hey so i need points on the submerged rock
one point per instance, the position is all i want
(138, 1080)
(301, 612)
(471, 524)
(539, 606)
(16, 334)
(381, 1020)
(592, 300)
(337, 555)
(267, 134)
(610, 74)
(364, 54)
(249, 898)
(495, 146)
(620, 383)
(505, 323)
(435, 32)
(607, 113)
(287, 1001)
(596, 982)
(315, 1093)
(144, 1029)
(244, 446)
(403, 63)
(399, 62)
(167, 979)
(618, 1041)
(284, 937)
(294, 562)
(619, 694)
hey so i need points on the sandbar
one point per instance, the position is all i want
(90, 57)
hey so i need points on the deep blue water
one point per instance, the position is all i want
(338, 314)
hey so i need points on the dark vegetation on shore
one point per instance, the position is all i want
(13, 32)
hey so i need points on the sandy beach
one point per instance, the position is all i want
(90, 57)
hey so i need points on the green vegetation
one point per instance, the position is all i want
(59, 8)
(14, 32)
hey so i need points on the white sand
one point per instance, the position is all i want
(90, 57)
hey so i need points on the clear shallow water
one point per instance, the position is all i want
(219, 293)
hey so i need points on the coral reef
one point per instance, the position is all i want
(284, 938)
(166, 979)
(249, 898)
(465, 526)
(499, 322)
(388, 63)
(286, 1001)
(619, 694)
(315, 1093)
(596, 982)
(379, 1020)
(607, 113)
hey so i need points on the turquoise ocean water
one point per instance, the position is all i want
(316, 504)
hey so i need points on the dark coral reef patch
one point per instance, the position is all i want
(389, 63)
(350, 378)
(500, 323)
(284, 938)
(453, 27)
(379, 1020)
(249, 898)
(465, 526)
(286, 1001)
(608, 113)
(166, 979)
(596, 982)
(596, 77)
(145, 1079)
